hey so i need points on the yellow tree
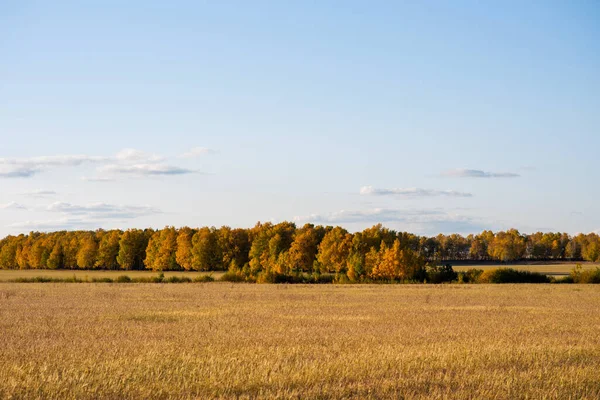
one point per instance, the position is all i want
(183, 255)
(160, 253)
(396, 263)
(206, 254)
(88, 251)
(108, 249)
(303, 251)
(334, 250)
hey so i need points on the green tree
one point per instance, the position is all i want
(235, 247)
(132, 249)
(206, 253)
(108, 249)
(56, 257)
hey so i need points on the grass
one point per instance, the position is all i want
(90, 275)
(546, 268)
(224, 340)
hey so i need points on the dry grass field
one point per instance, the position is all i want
(554, 269)
(221, 340)
(547, 268)
(11, 274)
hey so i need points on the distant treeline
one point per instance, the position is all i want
(377, 253)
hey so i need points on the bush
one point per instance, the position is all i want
(439, 273)
(123, 279)
(158, 279)
(320, 278)
(233, 276)
(469, 276)
(178, 279)
(102, 280)
(564, 279)
(580, 276)
(45, 279)
(510, 275)
(204, 278)
(273, 277)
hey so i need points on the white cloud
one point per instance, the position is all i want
(98, 178)
(145, 169)
(17, 171)
(133, 155)
(411, 192)
(12, 206)
(372, 215)
(56, 224)
(103, 210)
(476, 173)
(197, 152)
(425, 221)
(125, 162)
(88, 216)
(39, 193)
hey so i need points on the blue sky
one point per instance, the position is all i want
(425, 116)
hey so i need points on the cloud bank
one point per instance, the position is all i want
(477, 173)
(87, 216)
(40, 193)
(411, 192)
(127, 162)
(425, 221)
(102, 210)
(12, 206)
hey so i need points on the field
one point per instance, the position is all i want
(554, 269)
(11, 274)
(221, 340)
(547, 268)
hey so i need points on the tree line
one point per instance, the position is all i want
(376, 253)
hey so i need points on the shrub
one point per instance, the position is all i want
(564, 279)
(341, 279)
(123, 279)
(580, 276)
(204, 278)
(102, 280)
(45, 279)
(440, 273)
(510, 275)
(274, 277)
(178, 279)
(233, 276)
(469, 276)
(158, 279)
(320, 278)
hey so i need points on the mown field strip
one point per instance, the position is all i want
(11, 274)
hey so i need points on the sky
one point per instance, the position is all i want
(429, 117)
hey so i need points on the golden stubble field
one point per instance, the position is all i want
(221, 340)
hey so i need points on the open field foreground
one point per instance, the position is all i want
(222, 340)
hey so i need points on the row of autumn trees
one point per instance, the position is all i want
(283, 248)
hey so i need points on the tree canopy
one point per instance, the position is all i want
(376, 253)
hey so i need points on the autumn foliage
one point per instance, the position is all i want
(278, 252)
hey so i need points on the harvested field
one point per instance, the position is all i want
(221, 340)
